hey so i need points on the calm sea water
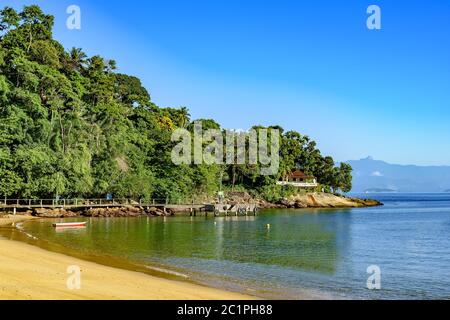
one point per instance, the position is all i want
(304, 253)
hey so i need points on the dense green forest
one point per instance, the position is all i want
(71, 126)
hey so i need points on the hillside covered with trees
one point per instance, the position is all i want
(71, 126)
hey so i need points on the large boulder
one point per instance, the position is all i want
(114, 212)
(53, 213)
(325, 200)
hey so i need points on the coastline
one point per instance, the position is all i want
(327, 200)
(316, 200)
(32, 273)
(43, 267)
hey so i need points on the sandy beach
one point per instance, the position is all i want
(28, 272)
(10, 219)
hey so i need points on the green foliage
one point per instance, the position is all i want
(274, 193)
(72, 127)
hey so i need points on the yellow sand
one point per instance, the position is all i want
(9, 219)
(28, 272)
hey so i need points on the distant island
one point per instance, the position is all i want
(379, 176)
(379, 190)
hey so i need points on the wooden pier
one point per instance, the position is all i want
(80, 204)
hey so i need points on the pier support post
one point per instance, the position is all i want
(14, 211)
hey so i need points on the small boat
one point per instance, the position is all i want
(70, 225)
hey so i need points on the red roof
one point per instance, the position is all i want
(299, 174)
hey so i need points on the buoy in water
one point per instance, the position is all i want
(268, 226)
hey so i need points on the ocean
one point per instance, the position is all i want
(283, 254)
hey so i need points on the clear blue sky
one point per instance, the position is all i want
(311, 66)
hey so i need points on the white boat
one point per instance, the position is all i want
(70, 225)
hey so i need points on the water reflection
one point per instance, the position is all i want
(309, 245)
(302, 250)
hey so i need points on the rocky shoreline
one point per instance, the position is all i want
(124, 211)
(327, 200)
(305, 200)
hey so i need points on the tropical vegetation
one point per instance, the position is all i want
(71, 126)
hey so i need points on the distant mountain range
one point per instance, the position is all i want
(371, 175)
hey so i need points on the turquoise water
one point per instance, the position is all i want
(304, 253)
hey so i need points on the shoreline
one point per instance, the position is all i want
(321, 200)
(32, 273)
(312, 200)
(153, 276)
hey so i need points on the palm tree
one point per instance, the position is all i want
(77, 59)
(184, 117)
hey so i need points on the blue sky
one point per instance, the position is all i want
(310, 66)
